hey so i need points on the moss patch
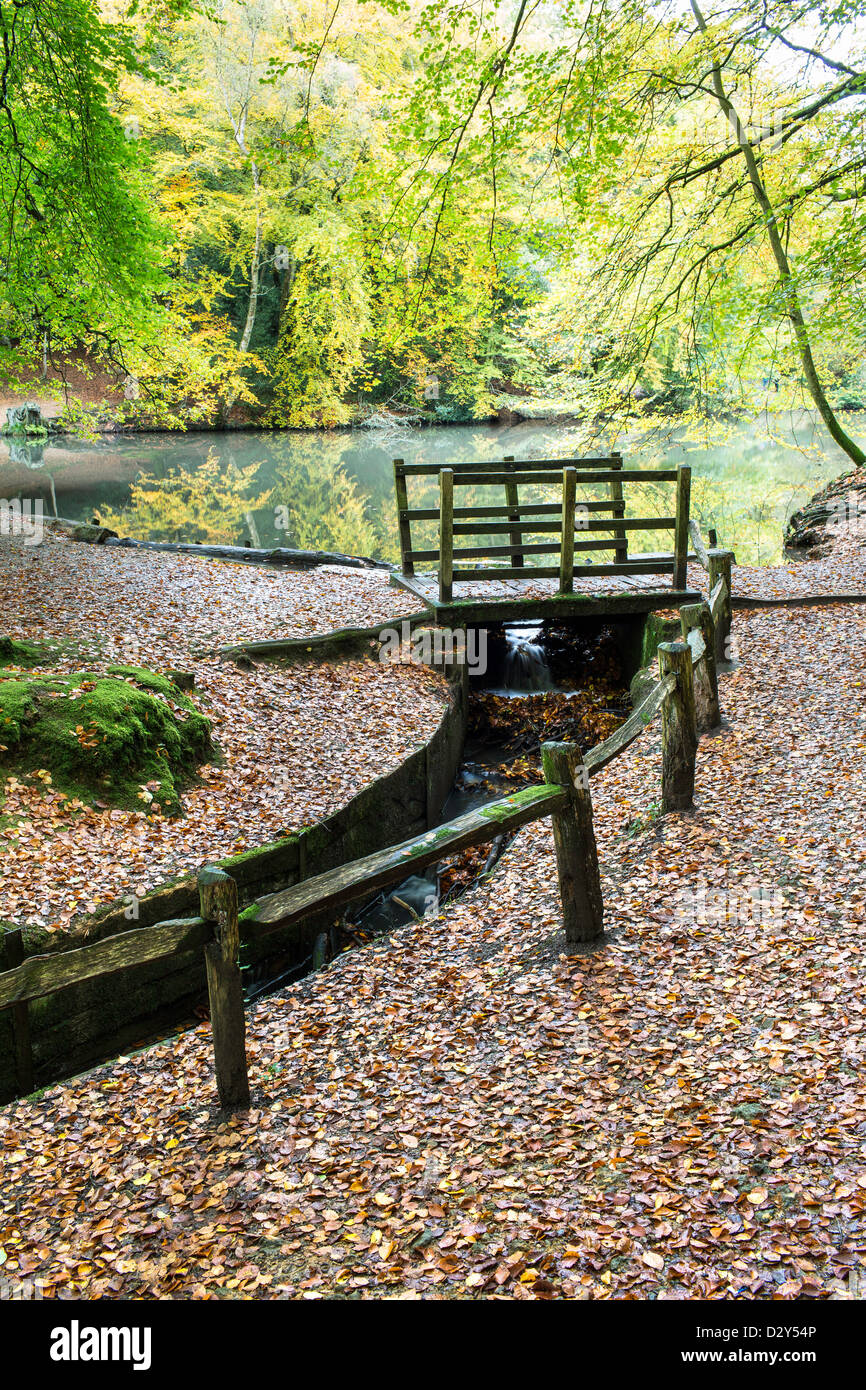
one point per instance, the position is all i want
(26, 654)
(130, 738)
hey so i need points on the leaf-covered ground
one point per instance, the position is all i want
(460, 1110)
(297, 744)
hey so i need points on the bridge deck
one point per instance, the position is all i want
(499, 600)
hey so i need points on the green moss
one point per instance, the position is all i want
(106, 736)
(496, 812)
(658, 629)
(26, 654)
(236, 862)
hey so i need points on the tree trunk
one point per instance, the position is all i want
(243, 345)
(783, 265)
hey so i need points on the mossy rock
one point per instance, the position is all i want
(93, 534)
(25, 654)
(129, 738)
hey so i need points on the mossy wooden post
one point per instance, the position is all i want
(721, 562)
(12, 954)
(679, 728)
(574, 838)
(696, 617)
(403, 523)
(566, 554)
(681, 528)
(618, 510)
(512, 500)
(446, 535)
(218, 894)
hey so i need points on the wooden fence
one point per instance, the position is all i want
(558, 522)
(687, 696)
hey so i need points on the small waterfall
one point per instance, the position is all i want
(526, 667)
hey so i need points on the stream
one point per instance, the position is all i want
(508, 721)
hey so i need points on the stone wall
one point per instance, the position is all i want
(88, 1023)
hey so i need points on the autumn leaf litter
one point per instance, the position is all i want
(462, 1110)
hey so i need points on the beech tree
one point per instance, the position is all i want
(698, 171)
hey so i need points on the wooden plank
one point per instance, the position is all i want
(446, 535)
(479, 552)
(741, 601)
(717, 598)
(519, 604)
(616, 495)
(681, 530)
(574, 841)
(503, 528)
(697, 645)
(499, 528)
(631, 523)
(508, 572)
(513, 500)
(12, 952)
(566, 559)
(646, 475)
(698, 542)
(38, 976)
(525, 509)
(581, 571)
(403, 516)
(218, 897)
(553, 466)
(604, 753)
(377, 871)
(696, 621)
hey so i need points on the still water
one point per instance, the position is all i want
(335, 490)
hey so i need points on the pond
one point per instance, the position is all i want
(335, 490)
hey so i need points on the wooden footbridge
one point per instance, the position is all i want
(499, 559)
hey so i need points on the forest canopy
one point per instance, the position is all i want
(308, 213)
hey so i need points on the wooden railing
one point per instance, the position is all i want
(516, 521)
(687, 696)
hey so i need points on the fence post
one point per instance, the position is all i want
(696, 617)
(574, 838)
(566, 550)
(681, 529)
(403, 524)
(515, 536)
(446, 535)
(679, 728)
(218, 895)
(618, 511)
(720, 568)
(12, 954)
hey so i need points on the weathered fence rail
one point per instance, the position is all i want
(556, 522)
(686, 667)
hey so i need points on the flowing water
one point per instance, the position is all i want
(335, 490)
(526, 668)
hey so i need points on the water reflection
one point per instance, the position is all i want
(335, 490)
